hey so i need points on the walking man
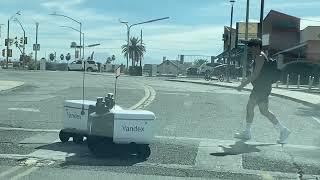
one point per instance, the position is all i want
(260, 93)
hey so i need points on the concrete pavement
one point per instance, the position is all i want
(194, 134)
(8, 85)
(265, 156)
(302, 97)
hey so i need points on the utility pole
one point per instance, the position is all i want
(245, 57)
(141, 45)
(24, 47)
(261, 19)
(7, 58)
(230, 41)
(83, 46)
(36, 50)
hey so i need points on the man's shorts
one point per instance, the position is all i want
(261, 92)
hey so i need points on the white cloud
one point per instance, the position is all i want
(294, 4)
(205, 40)
(309, 21)
(72, 7)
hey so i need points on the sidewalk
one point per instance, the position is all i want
(297, 96)
(8, 85)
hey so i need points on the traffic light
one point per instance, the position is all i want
(3, 52)
(9, 52)
(21, 40)
(25, 40)
(68, 57)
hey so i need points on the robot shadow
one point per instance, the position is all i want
(79, 154)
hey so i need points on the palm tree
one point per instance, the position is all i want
(136, 50)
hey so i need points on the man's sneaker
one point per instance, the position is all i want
(284, 134)
(244, 135)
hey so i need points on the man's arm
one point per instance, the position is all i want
(257, 69)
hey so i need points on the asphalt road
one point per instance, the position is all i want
(193, 122)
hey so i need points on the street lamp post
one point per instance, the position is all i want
(24, 38)
(36, 48)
(128, 31)
(80, 29)
(82, 37)
(230, 41)
(261, 19)
(8, 36)
(245, 57)
(7, 54)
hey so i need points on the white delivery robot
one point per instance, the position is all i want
(109, 128)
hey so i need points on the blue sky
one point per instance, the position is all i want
(194, 27)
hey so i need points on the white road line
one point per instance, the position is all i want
(24, 173)
(24, 109)
(9, 171)
(28, 130)
(230, 141)
(145, 97)
(317, 119)
(149, 96)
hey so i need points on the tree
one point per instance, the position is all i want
(199, 62)
(136, 50)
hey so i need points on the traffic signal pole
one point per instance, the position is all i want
(36, 50)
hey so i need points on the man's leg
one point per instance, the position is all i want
(250, 109)
(284, 131)
(246, 134)
(264, 110)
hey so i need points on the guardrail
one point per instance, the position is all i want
(310, 86)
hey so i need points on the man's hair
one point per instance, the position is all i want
(255, 42)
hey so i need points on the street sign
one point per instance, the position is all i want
(36, 47)
(118, 72)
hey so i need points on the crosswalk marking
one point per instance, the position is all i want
(9, 171)
(24, 173)
(317, 119)
(24, 109)
(213, 155)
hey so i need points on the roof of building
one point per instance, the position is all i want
(308, 27)
(178, 64)
(277, 13)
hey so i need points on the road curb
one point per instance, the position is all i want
(13, 88)
(247, 89)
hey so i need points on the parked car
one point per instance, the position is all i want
(192, 71)
(206, 68)
(77, 66)
(304, 69)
